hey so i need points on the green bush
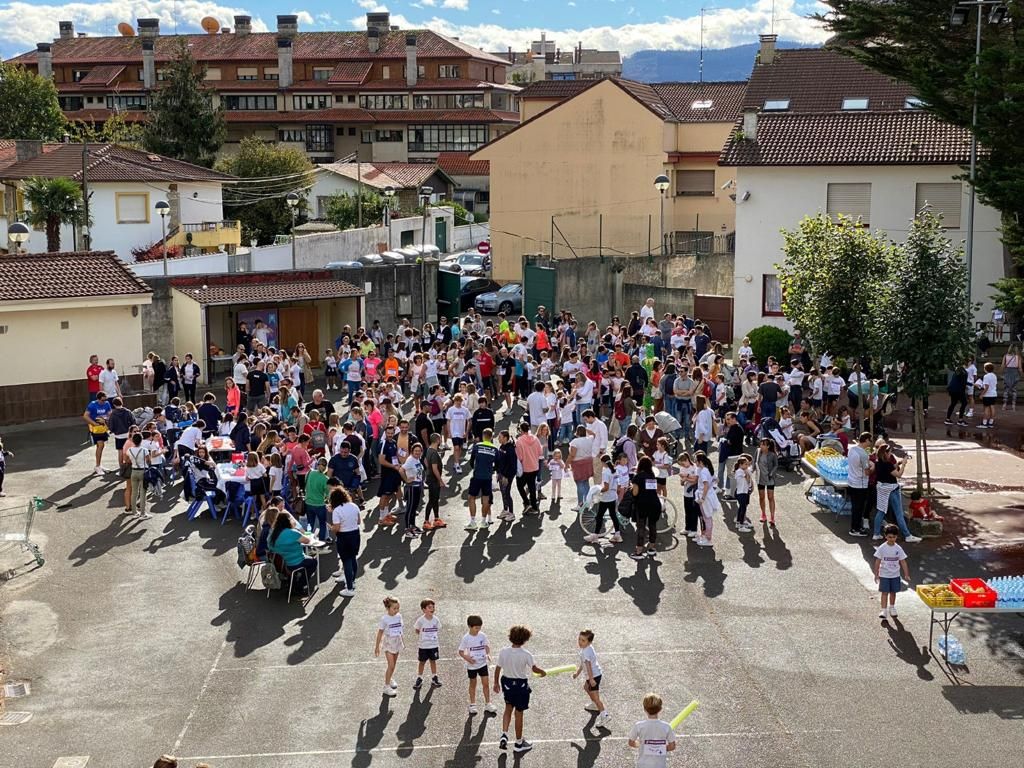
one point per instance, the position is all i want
(769, 341)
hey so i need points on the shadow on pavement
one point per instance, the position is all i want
(371, 732)
(907, 648)
(701, 564)
(467, 751)
(120, 532)
(645, 586)
(415, 724)
(1004, 701)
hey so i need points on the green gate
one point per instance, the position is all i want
(449, 286)
(441, 235)
(540, 285)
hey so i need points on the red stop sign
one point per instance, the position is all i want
(484, 247)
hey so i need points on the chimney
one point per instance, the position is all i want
(67, 30)
(767, 53)
(381, 22)
(284, 62)
(148, 63)
(373, 40)
(25, 149)
(750, 124)
(243, 25)
(287, 26)
(44, 60)
(411, 68)
(148, 28)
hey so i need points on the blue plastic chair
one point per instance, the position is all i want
(236, 499)
(195, 509)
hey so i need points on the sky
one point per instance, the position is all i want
(624, 25)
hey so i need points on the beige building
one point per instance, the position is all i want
(577, 179)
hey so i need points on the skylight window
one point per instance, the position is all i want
(913, 102)
(855, 103)
(776, 105)
(701, 104)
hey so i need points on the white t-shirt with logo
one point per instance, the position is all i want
(475, 646)
(458, 417)
(589, 654)
(429, 631)
(653, 737)
(990, 385)
(392, 626)
(890, 555)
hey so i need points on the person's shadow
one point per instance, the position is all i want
(776, 548)
(415, 724)
(905, 645)
(586, 755)
(467, 751)
(645, 586)
(751, 550)
(370, 734)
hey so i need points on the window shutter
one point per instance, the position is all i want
(132, 208)
(853, 200)
(944, 198)
(695, 183)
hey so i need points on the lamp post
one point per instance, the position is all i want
(293, 203)
(18, 234)
(425, 193)
(958, 18)
(389, 193)
(163, 208)
(662, 183)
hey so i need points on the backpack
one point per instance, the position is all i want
(620, 409)
(709, 391)
(246, 547)
(626, 505)
(317, 440)
(435, 407)
(618, 449)
(269, 576)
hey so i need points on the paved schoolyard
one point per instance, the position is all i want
(139, 639)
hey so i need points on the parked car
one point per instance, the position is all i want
(472, 287)
(467, 263)
(507, 299)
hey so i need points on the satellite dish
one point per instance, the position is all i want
(210, 25)
(126, 29)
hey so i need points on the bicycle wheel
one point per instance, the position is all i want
(667, 518)
(587, 518)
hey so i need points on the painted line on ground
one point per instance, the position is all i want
(199, 696)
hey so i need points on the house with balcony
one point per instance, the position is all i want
(123, 186)
(545, 60)
(381, 94)
(406, 180)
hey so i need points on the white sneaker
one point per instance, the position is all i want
(471, 525)
(877, 537)
(338, 575)
(592, 707)
(615, 538)
(912, 539)
(144, 516)
(393, 685)
(702, 542)
(604, 717)
(892, 611)
(389, 691)
(884, 613)
(472, 709)
(100, 471)
(347, 593)
(490, 709)
(486, 522)
(970, 412)
(591, 538)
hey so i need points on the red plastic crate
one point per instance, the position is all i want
(985, 599)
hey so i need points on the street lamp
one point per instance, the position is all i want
(293, 203)
(389, 194)
(163, 208)
(18, 234)
(958, 18)
(662, 183)
(425, 193)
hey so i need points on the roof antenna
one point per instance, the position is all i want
(773, 17)
(700, 76)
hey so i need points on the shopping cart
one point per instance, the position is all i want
(16, 527)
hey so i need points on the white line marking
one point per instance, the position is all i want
(415, 747)
(199, 697)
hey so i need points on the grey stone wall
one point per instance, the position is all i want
(158, 320)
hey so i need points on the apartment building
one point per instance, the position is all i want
(383, 94)
(546, 61)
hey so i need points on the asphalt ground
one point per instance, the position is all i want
(138, 639)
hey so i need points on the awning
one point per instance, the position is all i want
(261, 293)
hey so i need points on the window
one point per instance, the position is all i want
(446, 138)
(384, 101)
(387, 136)
(448, 101)
(853, 200)
(132, 207)
(913, 102)
(310, 102)
(351, 98)
(385, 72)
(78, 74)
(71, 103)
(945, 199)
(213, 73)
(695, 183)
(319, 138)
(121, 103)
(448, 71)
(776, 105)
(703, 104)
(855, 103)
(351, 130)
(366, 137)
(270, 73)
(421, 71)
(161, 75)
(771, 296)
(322, 73)
(248, 73)
(563, 75)
(291, 134)
(259, 103)
(693, 243)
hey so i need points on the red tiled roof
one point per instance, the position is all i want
(100, 77)
(459, 164)
(406, 174)
(555, 89)
(850, 138)
(109, 162)
(350, 72)
(8, 152)
(818, 79)
(353, 115)
(251, 292)
(260, 46)
(90, 274)
(725, 98)
(77, 88)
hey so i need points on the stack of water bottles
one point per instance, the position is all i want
(952, 649)
(831, 500)
(833, 468)
(1009, 591)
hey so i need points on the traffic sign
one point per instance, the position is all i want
(484, 247)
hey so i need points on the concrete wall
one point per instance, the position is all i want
(781, 197)
(710, 275)
(678, 300)
(469, 236)
(386, 285)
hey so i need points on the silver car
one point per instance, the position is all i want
(508, 299)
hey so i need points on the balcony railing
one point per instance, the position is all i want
(206, 234)
(702, 244)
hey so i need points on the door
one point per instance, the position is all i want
(716, 311)
(441, 235)
(448, 289)
(540, 286)
(300, 325)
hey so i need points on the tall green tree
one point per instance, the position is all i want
(914, 41)
(260, 206)
(53, 203)
(28, 106)
(342, 210)
(183, 123)
(922, 317)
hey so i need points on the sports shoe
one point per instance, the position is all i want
(592, 707)
(962, 423)
(892, 611)
(638, 555)
(490, 708)
(858, 533)
(503, 741)
(439, 523)
(948, 421)
(763, 519)
(983, 425)
(486, 522)
(347, 593)
(427, 525)
(471, 709)
(147, 516)
(394, 685)
(604, 717)
(615, 538)
(388, 520)
(410, 534)
(100, 471)
(591, 538)
(389, 691)
(877, 537)
(522, 746)
(702, 542)
(435, 682)
(471, 525)
(417, 684)
(883, 614)
(970, 412)
(507, 516)
(912, 539)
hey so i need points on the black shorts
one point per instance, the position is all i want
(258, 486)
(662, 482)
(479, 672)
(831, 398)
(596, 685)
(458, 441)
(765, 487)
(120, 442)
(516, 691)
(428, 654)
(988, 401)
(480, 487)
(98, 438)
(389, 482)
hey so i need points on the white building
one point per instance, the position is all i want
(406, 179)
(124, 187)
(823, 134)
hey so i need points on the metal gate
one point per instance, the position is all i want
(441, 235)
(449, 287)
(540, 285)
(716, 311)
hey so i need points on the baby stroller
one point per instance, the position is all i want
(672, 429)
(788, 450)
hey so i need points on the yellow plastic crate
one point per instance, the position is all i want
(950, 601)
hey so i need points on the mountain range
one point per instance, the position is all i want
(681, 66)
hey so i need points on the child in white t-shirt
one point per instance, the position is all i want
(592, 684)
(428, 627)
(556, 466)
(744, 478)
(622, 475)
(653, 737)
(890, 559)
(458, 417)
(389, 638)
(516, 663)
(474, 650)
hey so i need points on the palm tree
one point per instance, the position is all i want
(54, 202)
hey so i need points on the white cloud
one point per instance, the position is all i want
(458, 5)
(428, 3)
(371, 5)
(305, 18)
(496, 11)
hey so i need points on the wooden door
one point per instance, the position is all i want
(300, 325)
(716, 311)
